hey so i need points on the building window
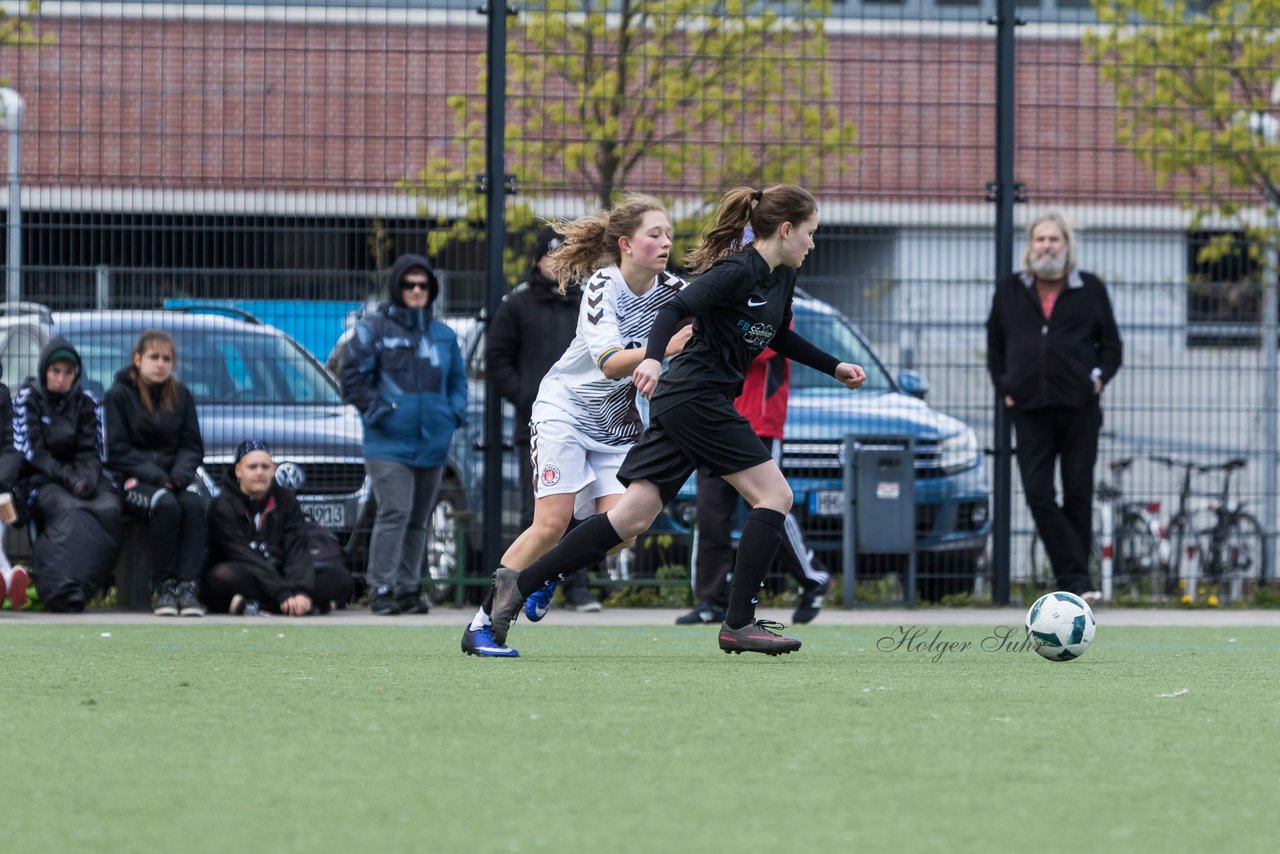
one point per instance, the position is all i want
(1224, 296)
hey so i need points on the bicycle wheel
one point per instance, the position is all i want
(1242, 551)
(1042, 570)
(1137, 549)
(1041, 575)
(1181, 537)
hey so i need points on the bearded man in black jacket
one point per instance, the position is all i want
(1052, 347)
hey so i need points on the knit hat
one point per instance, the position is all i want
(64, 354)
(548, 241)
(248, 446)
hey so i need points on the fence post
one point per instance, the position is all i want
(1271, 375)
(1005, 194)
(11, 109)
(495, 220)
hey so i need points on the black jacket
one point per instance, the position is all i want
(59, 435)
(10, 459)
(152, 447)
(268, 538)
(528, 334)
(1052, 362)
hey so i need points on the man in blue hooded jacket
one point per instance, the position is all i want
(404, 371)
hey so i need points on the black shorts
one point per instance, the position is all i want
(699, 433)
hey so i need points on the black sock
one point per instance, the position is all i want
(761, 536)
(587, 543)
(487, 604)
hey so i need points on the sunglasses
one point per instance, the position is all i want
(415, 286)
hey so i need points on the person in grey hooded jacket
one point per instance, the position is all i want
(404, 371)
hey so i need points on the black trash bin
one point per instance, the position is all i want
(880, 507)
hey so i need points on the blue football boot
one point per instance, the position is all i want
(480, 642)
(535, 607)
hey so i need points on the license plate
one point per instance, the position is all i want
(328, 515)
(826, 502)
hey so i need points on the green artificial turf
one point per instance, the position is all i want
(268, 737)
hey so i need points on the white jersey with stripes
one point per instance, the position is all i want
(611, 318)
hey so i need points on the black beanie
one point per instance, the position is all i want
(548, 240)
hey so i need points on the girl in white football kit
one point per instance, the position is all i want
(585, 417)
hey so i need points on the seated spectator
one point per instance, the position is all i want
(153, 449)
(13, 579)
(259, 550)
(75, 508)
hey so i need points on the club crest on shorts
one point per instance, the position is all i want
(550, 475)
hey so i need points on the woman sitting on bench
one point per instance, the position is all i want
(75, 508)
(153, 449)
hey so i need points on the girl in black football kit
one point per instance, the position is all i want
(740, 305)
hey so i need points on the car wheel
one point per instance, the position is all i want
(440, 560)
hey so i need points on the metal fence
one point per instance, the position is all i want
(275, 157)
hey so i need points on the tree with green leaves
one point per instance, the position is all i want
(713, 93)
(1196, 93)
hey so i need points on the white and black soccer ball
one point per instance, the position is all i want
(1061, 626)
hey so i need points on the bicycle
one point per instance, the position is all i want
(1134, 544)
(1227, 551)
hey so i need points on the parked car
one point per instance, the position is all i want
(248, 379)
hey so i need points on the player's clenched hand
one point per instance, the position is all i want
(850, 374)
(645, 376)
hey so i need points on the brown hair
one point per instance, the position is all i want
(591, 242)
(764, 210)
(169, 388)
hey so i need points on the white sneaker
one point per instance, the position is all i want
(1091, 597)
(591, 607)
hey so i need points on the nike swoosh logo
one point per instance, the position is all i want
(751, 302)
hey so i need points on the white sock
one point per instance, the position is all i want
(480, 620)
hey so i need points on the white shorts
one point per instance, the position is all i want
(566, 462)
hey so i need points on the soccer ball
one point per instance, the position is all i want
(1061, 626)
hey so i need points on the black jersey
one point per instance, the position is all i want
(738, 305)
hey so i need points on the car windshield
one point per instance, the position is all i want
(217, 365)
(830, 333)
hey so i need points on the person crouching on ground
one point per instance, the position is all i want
(259, 555)
(76, 510)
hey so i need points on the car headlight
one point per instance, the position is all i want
(958, 453)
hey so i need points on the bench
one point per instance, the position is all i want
(132, 572)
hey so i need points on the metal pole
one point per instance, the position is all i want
(1271, 375)
(1002, 487)
(12, 106)
(495, 185)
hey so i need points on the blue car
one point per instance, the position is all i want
(952, 495)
